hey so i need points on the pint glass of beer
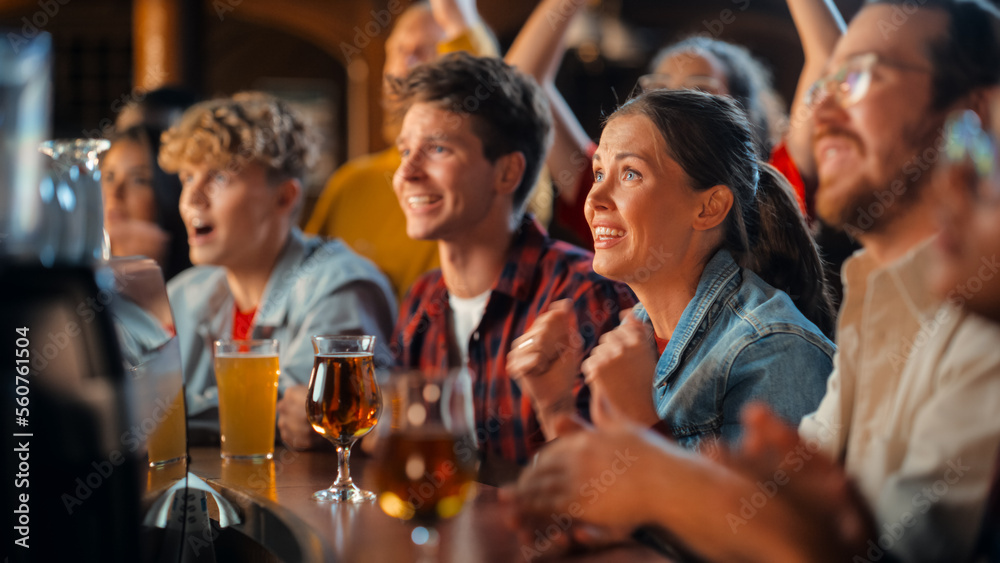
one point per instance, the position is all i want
(246, 373)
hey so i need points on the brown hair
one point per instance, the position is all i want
(509, 110)
(965, 58)
(710, 138)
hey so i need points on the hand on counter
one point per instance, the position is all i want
(296, 432)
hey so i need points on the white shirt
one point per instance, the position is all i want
(465, 316)
(912, 408)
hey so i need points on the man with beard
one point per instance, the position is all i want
(910, 407)
(910, 411)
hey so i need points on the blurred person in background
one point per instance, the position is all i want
(141, 201)
(158, 109)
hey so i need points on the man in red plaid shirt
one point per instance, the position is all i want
(474, 137)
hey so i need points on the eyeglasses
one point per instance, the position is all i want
(849, 84)
(967, 143)
(710, 84)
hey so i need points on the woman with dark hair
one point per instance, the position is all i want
(710, 241)
(141, 201)
(699, 62)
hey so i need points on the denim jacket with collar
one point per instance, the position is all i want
(316, 287)
(738, 341)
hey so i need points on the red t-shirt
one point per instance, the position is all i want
(242, 322)
(781, 160)
(661, 344)
(570, 215)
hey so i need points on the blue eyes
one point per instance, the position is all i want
(432, 149)
(628, 176)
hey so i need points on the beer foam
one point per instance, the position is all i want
(247, 355)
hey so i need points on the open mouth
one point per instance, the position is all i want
(833, 151)
(420, 201)
(200, 229)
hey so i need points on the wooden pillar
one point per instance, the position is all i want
(156, 39)
(359, 106)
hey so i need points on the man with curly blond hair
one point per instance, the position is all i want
(241, 161)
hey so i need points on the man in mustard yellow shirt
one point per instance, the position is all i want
(358, 204)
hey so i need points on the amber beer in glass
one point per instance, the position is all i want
(423, 478)
(343, 404)
(168, 442)
(246, 373)
(426, 458)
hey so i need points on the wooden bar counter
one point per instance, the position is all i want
(275, 502)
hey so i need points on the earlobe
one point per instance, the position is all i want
(510, 170)
(716, 203)
(288, 193)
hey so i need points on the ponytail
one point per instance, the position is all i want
(710, 138)
(783, 253)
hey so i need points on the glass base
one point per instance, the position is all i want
(349, 495)
(254, 457)
(163, 463)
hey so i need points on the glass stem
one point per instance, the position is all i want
(343, 467)
(428, 550)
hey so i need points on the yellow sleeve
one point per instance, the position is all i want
(353, 172)
(324, 206)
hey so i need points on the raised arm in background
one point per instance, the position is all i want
(537, 51)
(819, 25)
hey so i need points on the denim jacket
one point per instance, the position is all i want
(738, 341)
(316, 287)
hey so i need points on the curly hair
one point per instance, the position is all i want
(232, 132)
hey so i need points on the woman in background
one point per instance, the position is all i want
(141, 201)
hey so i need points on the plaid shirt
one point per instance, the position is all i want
(538, 271)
